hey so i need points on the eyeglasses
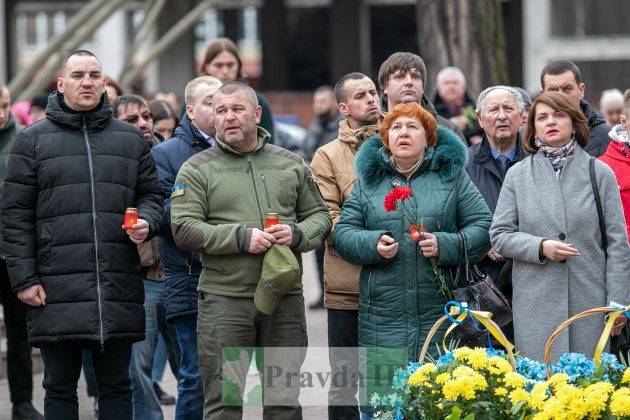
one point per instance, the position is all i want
(133, 118)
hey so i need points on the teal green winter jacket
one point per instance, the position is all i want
(398, 298)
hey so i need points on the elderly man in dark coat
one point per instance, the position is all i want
(499, 110)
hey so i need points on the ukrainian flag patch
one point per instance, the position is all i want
(178, 189)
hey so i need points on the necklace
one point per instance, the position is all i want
(410, 170)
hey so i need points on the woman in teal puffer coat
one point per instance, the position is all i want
(399, 299)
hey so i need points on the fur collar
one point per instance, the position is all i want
(448, 158)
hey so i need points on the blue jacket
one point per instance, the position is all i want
(182, 269)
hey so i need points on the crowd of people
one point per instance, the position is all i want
(534, 191)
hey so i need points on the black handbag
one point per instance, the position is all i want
(621, 342)
(480, 294)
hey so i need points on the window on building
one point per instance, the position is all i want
(617, 75)
(589, 17)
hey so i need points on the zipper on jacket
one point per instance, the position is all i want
(369, 293)
(93, 194)
(416, 249)
(250, 169)
(266, 192)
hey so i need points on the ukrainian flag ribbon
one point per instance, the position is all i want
(457, 312)
(616, 311)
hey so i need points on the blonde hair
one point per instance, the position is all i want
(611, 99)
(191, 95)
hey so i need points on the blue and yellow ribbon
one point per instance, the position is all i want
(457, 312)
(616, 311)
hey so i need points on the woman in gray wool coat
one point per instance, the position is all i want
(546, 220)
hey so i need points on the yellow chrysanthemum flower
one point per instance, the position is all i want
(464, 384)
(625, 379)
(596, 397)
(421, 375)
(538, 395)
(558, 378)
(463, 371)
(553, 410)
(442, 378)
(620, 402)
(478, 358)
(519, 395)
(514, 380)
(498, 365)
(462, 353)
(500, 392)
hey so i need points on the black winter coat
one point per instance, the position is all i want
(485, 174)
(598, 138)
(182, 269)
(444, 111)
(70, 178)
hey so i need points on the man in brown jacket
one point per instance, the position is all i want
(333, 167)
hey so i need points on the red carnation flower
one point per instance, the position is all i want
(396, 194)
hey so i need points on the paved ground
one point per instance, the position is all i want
(316, 321)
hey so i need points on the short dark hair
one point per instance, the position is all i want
(232, 87)
(215, 48)
(557, 67)
(161, 110)
(558, 102)
(80, 53)
(340, 91)
(127, 100)
(401, 61)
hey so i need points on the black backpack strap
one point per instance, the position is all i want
(598, 203)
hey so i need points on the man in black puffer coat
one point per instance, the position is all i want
(70, 178)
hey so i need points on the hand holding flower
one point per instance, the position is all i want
(429, 245)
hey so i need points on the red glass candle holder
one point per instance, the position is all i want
(131, 218)
(271, 219)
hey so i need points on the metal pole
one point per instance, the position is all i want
(173, 34)
(155, 8)
(95, 22)
(23, 77)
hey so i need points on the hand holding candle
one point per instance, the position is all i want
(131, 218)
(136, 228)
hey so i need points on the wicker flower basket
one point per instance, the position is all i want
(436, 326)
(565, 324)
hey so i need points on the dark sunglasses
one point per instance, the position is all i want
(133, 118)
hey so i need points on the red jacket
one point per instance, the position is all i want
(617, 156)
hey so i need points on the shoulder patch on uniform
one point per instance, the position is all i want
(178, 189)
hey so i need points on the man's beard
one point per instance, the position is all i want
(245, 142)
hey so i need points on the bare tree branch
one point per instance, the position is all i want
(24, 76)
(168, 39)
(152, 12)
(86, 32)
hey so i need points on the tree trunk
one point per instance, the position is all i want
(466, 34)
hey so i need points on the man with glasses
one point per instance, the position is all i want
(135, 110)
